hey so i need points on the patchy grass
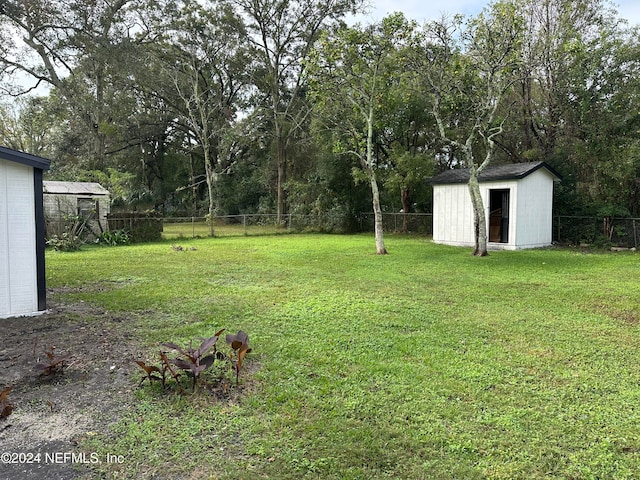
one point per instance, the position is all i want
(426, 363)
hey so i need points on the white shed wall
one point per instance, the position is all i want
(18, 273)
(535, 210)
(452, 215)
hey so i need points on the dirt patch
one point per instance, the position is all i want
(611, 310)
(51, 413)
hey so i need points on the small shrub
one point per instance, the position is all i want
(72, 234)
(113, 238)
(150, 370)
(166, 367)
(141, 226)
(66, 242)
(240, 344)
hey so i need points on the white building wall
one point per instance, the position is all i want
(18, 274)
(452, 215)
(535, 210)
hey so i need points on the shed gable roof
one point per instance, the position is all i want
(24, 158)
(74, 188)
(512, 171)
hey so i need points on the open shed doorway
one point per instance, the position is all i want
(499, 215)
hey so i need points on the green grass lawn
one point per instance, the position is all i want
(423, 364)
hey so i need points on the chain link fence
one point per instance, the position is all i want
(597, 231)
(253, 224)
(416, 223)
(571, 230)
(268, 224)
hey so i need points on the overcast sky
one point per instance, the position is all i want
(422, 10)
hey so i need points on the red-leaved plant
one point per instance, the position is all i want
(150, 370)
(195, 361)
(5, 407)
(54, 363)
(240, 344)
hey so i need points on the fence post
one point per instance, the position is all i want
(635, 234)
(244, 223)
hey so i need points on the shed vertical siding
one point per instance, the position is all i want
(452, 215)
(535, 210)
(18, 270)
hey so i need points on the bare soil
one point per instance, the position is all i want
(53, 413)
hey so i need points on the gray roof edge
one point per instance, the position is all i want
(25, 158)
(55, 187)
(462, 175)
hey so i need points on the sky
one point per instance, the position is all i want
(421, 10)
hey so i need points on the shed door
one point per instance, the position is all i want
(499, 215)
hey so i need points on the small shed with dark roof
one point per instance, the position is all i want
(22, 270)
(518, 200)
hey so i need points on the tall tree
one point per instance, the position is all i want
(552, 29)
(408, 140)
(78, 47)
(350, 70)
(476, 66)
(26, 125)
(206, 65)
(283, 33)
(576, 102)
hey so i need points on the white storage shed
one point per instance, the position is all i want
(518, 200)
(22, 245)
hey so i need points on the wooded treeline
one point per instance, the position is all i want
(243, 106)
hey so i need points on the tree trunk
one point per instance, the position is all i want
(194, 187)
(282, 177)
(375, 193)
(527, 118)
(210, 174)
(480, 220)
(281, 167)
(377, 216)
(405, 195)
